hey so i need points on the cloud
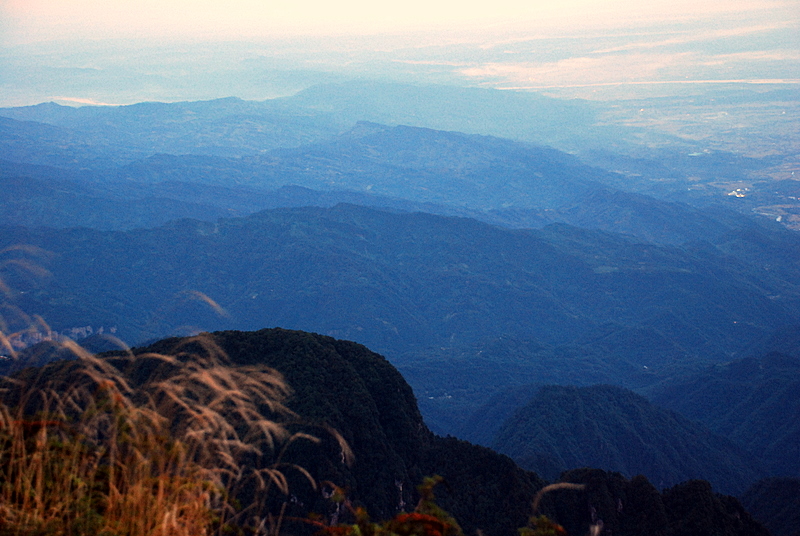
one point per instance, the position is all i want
(434, 63)
(694, 37)
(79, 100)
(757, 56)
(584, 70)
(773, 66)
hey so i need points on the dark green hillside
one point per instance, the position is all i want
(344, 385)
(753, 401)
(775, 502)
(617, 430)
(694, 509)
(636, 508)
(356, 391)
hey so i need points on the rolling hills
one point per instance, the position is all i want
(617, 430)
(400, 282)
(753, 401)
(511, 183)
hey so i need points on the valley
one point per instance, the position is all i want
(587, 287)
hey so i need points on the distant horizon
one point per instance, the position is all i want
(730, 85)
(87, 51)
(28, 21)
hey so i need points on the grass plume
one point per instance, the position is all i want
(155, 444)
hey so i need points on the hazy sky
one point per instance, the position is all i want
(28, 20)
(123, 51)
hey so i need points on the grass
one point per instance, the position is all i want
(159, 444)
(152, 444)
(84, 451)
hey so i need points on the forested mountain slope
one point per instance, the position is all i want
(400, 282)
(617, 430)
(775, 502)
(339, 385)
(343, 384)
(753, 401)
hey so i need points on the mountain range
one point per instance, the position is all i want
(499, 181)
(498, 275)
(605, 426)
(101, 139)
(407, 281)
(343, 385)
(753, 401)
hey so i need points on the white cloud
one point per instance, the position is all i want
(687, 37)
(584, 70)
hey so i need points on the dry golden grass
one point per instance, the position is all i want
(156, 444)
(82, 451)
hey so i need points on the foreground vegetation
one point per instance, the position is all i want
(200, 435)
(85, 453)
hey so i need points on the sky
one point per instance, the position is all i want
(28, 20)
(96, 51)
